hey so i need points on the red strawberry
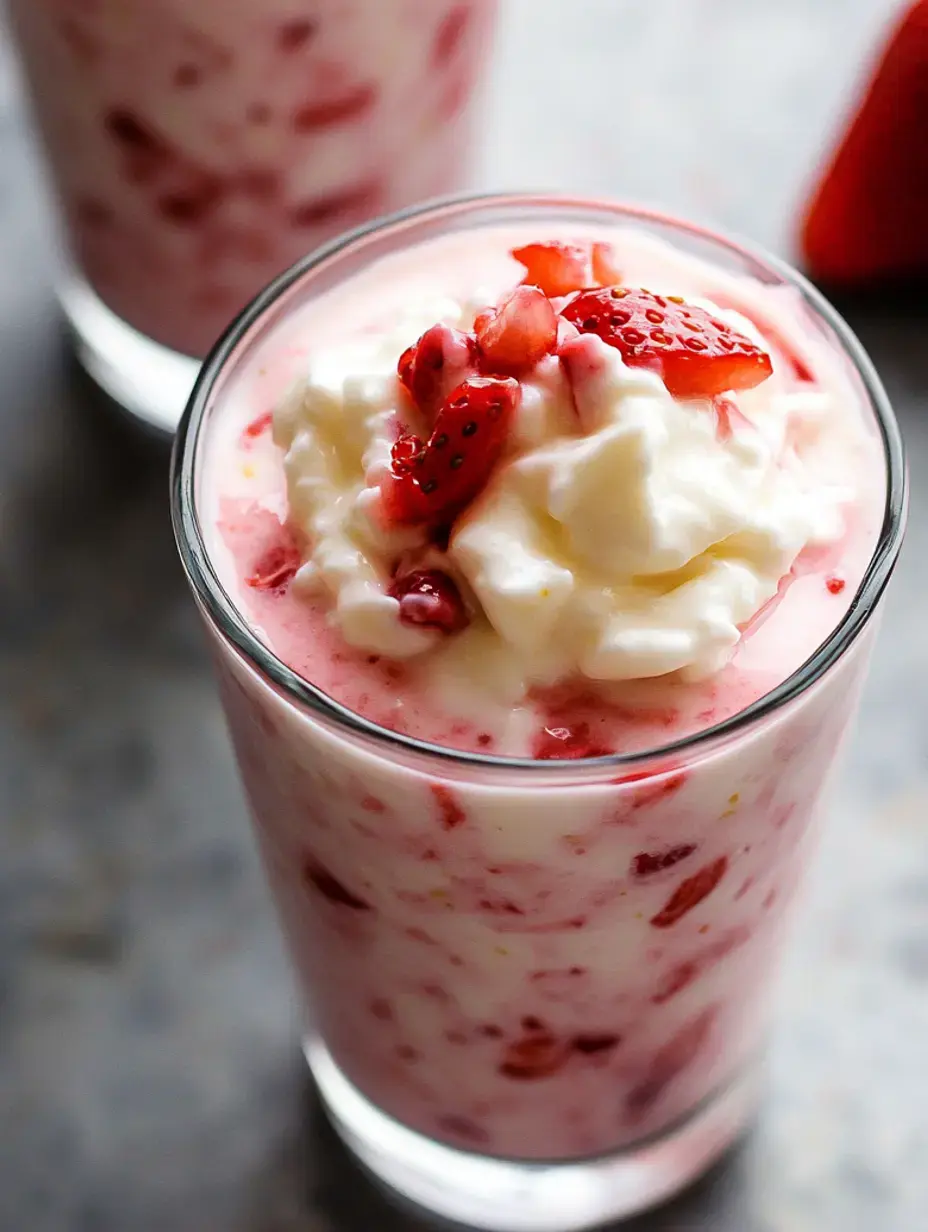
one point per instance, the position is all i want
(430, 597)
(605, 269)
(518, 333)
(556, 268)
(560, 269)
(866, 219)
(697, 355)
(538, 1054)
(646, 863)
(430, 484)
(433, 366)
(690, 893)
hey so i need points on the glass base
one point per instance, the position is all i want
(508, 1196)
(150, 382)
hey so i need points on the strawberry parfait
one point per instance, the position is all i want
(198, 148)
(523, 535)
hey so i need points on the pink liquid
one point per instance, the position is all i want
(200, 147)
(531, 973)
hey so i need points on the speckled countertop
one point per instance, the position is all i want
(149, 1072)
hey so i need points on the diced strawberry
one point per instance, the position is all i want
(606, 271)
(556, 268)
(433, 366)
(568, 744)
(331, 888)
(834, 584)
(647, 863)
(430, 598)
(697, 355)
(259, 425)
(537, 1054)
(449, 806)
(518, 334)
(690, 893)
(560, 269)
(429, 485)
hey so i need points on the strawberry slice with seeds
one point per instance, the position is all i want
(430, 484)
(433, 366)
(696, 355)
(518, 333)
(429, 597)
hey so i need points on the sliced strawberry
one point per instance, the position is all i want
(560, 269)
(606, 271)
(433, 366)
(647, 863)
(690, 893)
(518, 333)
(430, 597)
(556, 268)
(430, 484)
(537, 1054)
(696, 355)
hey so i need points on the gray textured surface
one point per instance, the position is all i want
(149, 1077)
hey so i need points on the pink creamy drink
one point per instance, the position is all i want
(199, 147)
(571, 582)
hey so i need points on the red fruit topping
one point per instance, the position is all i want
(430, 597)
(647, 863)
(536, 1055)
(866, 220)
(452, 815)
(697, 355)
(605, 268)
(331, 888)
(558, 269)
(670, 1061)
(431, 485)
(568, 744)
(835, 584)
(518, 333)
(690, 893)
(433, 366)
(274, 569)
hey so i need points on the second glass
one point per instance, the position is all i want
(199, 148)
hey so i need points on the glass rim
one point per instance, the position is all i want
(222, 611)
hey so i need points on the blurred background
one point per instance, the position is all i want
(149, 1070)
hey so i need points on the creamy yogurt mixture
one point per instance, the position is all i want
(672, 557)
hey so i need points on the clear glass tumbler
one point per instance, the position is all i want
(528, 1045)
(198, 148)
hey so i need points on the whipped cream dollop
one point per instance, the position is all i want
(625, 534)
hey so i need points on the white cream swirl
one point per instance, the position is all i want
(626, 534)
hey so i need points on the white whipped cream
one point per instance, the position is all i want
(624, 536)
